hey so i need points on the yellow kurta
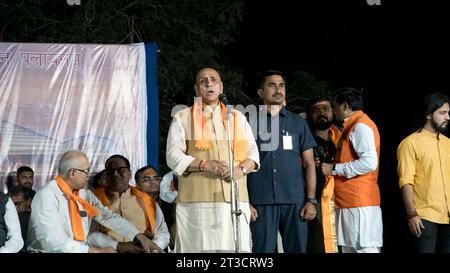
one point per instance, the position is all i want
(424, 162)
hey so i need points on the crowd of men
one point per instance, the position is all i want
(313, 182)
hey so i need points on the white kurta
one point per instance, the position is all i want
(207, 226)
(360, 227)
(50, 229)
(176, 156)
(14, 241)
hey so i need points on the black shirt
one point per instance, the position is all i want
(325, 151)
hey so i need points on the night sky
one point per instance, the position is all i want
(396, 51)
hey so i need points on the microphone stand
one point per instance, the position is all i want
(234, 188)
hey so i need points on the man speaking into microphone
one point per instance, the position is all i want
(197, 152)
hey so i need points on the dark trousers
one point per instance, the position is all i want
(286, 219)
(435, 238)
(315, 233)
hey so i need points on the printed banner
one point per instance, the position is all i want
(60, 97)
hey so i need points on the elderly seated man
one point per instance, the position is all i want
(62, 211)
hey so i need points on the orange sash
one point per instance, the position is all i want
(149, 205)
(202, 143)
(328, 213)
(328, 216)
(75, 218)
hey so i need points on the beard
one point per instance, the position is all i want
(439, 127)
(322, 125)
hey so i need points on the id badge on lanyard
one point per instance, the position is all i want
(287, 141)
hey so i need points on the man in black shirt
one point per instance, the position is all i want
(320, 116)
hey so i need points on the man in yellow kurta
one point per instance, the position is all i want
(424, 177)
(197, 152)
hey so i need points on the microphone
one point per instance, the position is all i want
(223, 98)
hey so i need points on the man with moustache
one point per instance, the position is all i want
(132, 204)
(355, 171)
(25, 177)
(148, 180)
(326, 135)
(277, 191)
(197, 152)
(424, 177)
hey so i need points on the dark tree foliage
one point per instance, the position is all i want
(189, 34)
(302, 86)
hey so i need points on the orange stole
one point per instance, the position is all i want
(149, 205)
(329, 217)
(327, 202)
(75, 218)
(201, 132)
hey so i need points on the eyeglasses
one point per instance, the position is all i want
(18, 203)
(151, 179)
(211, 81)
(86, 172)
(120, 170)
(320, 110)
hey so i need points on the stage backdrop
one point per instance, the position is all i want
(91, 97)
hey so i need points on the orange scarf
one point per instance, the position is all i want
(328, 214)
(202, 143)
(75, 218)
(149, 205)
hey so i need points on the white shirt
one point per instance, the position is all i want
(162, 235)
(176, 156)
(50, 229)
(363, 142)
(360, 227)
(14, 241)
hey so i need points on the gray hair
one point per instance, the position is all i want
(69, 160)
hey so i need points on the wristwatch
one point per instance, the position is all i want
(244, 170)
(334, 172)
(312, 201)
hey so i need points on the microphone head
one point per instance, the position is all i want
(223, 98)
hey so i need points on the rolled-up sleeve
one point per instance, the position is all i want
(406, 163)
(176, 156)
